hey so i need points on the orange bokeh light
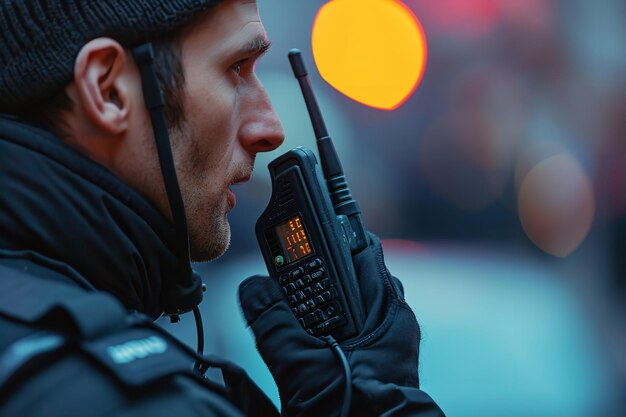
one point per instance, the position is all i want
(373, 51)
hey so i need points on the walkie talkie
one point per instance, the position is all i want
(310, 229)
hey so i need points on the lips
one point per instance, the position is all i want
(230, 195)
(232, 199)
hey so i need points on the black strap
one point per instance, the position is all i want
(186, 293)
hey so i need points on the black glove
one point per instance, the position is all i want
(383, 358)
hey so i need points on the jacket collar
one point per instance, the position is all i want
(60, 206)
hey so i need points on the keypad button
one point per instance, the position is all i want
(301, 322)
(307, 279)
(310, 319)
(300, 295)
(325, 283)
(309, 331)
(299, 283)
(308, 291)
(284, 278)
(302, 309)
(332, 310)
(321, 316)
(292, 299)
(314, 264)
(296, 273)
(285, 290)
(319, 299)
(333, 292)
(317, 274)
(318, 287)
(310, 304)
(326, 296)
(328, 323)
(291, 288)
(294, 311)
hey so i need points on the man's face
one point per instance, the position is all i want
(228, 118)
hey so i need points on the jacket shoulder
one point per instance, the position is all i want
(55, 360)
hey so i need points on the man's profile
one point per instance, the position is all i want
(90, 245)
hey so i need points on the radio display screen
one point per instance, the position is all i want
(293, 239)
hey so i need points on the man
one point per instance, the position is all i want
(93, 239)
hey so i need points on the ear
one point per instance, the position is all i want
(102, 84)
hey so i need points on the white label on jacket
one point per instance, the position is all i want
(136, 349)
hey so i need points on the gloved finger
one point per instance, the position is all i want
(370, 265)
(269, 315)
(372, 275)
(256, 294)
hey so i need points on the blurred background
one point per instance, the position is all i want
(499, 190)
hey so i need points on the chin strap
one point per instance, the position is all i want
(186, 293)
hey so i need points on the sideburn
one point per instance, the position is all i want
(171, 76)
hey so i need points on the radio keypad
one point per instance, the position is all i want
(311, 296)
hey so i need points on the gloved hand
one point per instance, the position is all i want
(383, 358)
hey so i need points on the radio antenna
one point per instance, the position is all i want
(340, 195)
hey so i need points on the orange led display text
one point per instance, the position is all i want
(293, 239)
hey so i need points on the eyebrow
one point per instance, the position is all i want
(256, 46)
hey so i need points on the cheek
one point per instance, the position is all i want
(212, 111)
(208, 90)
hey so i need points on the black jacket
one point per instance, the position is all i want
(68, 229)
(83, 259)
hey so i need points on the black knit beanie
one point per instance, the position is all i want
(40, 39)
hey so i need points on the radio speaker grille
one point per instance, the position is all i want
(285, 192)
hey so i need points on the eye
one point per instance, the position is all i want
(236, 68)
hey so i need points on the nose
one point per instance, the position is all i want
(262, 130)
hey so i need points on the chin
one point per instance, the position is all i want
(210, 244)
